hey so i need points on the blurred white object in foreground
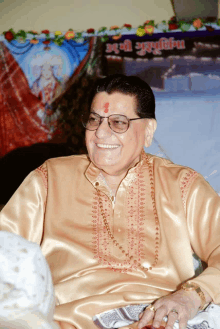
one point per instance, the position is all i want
(26, 288)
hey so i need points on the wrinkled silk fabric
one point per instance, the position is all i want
(57, 207)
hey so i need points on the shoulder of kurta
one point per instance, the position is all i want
(203, 184)
(154, 158)
(159, 161)
(63, 167)
(68, 163)
(42, 170)
(183, 174)
(162, 162)
(71, 160)
(188, 176)
(166, 163)
(39, 177)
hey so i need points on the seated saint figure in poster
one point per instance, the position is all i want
(119, 226)
(46, 68)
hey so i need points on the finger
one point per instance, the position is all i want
(140, 315)
(146, 318)
(183, 321)
(159, 315)
(172, 317)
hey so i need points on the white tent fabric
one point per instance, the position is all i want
(188, 132)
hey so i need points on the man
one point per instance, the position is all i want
(118, 226)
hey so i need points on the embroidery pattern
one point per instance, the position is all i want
(101, 240)
(157, 224)
(43, 172)
(135, 215)
(136, 204)
(184, 185)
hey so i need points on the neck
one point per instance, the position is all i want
(114, 180)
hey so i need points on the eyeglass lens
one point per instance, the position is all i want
(118, 123)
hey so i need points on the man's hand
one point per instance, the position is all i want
(181, 305)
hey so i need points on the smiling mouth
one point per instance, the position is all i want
(107, 146)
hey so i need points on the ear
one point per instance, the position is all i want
(149, 131)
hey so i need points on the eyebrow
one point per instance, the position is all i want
(110, 114)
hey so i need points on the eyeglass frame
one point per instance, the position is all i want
(101, 120)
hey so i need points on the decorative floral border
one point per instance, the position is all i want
(115, 32)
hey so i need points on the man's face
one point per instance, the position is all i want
(127, 146)
(47, 71)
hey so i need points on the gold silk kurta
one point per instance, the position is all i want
(57, 207)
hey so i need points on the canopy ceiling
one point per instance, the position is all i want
(81, 15)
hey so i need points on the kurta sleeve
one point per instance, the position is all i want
(203, 220)
(24, 213)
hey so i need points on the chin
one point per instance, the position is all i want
(106, 158)
(104, 163)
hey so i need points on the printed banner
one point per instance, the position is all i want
(164, 44)
(141, 48)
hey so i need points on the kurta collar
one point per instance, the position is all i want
(92, 172)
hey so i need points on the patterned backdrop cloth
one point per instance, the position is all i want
(26, 288)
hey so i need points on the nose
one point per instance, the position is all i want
(103, 131)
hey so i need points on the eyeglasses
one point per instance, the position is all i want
(117, 122)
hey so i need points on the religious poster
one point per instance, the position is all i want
(32, 77)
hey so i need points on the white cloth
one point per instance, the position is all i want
(26, 288)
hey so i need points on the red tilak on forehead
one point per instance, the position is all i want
(106, 107)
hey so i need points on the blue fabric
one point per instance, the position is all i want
(188, 132)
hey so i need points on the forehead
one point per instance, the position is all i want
(118, 103)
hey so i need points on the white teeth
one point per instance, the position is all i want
(107, 146)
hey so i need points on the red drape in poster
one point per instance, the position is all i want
(19, 124)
